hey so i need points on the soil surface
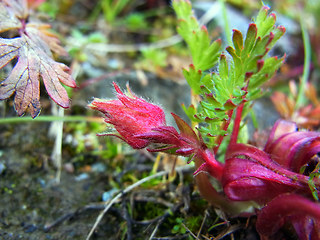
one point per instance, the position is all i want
(34, 205)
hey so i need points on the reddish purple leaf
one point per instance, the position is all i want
(185, 129)
(304, 214)
(245, 180)
(249, 169)
(291, 148)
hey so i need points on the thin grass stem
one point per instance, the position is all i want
(17, 120)
(306, 67)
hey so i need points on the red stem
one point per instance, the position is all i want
(236, 126)
(215, 198)
(100, 78)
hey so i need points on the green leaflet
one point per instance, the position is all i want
(204, 52)
(193, 78)
(270, 66)
(241, 70)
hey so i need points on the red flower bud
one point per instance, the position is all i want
(130, 116)
(301, 212)
(253, 174)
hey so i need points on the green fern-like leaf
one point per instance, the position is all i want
(242, 69)
(204, 52)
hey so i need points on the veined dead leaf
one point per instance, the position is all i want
(32, 49)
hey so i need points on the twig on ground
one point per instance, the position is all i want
(71, 215)
(231, 229)
(192, 234)
(128, 189)
(154, 200)
(61, 219)
(127, 218)
(101, 78)
(163, 217)
(203, 221)
(56, 130)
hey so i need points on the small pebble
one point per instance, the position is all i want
(98, 167)
(106, 196)
(30, 228)
(114, 63)
(82, 176)
(42, 182)
(68, 167)
(2, 167)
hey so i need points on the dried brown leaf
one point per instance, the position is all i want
(18, 7)
(34, 62)
(43, 31)
(8, 19)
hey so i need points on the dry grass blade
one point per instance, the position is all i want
(231, 229)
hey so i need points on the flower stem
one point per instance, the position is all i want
(226, 22)
(306, 66)
(236, 125)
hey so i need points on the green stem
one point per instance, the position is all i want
(226, 22)
(13, 120)
(306, 67)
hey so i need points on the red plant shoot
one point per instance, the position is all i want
(278, 182)
(249, 174)
(130, 116)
